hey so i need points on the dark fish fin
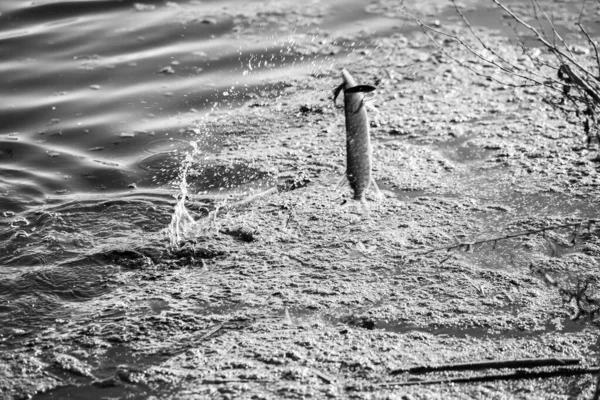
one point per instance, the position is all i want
(336, 91)
(361, 89)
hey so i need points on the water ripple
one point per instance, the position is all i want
(100, 101)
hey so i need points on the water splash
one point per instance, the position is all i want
(183, 226)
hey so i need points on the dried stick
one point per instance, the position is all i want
(250, 198)
(323, 376)
(469, 245)
(225, 381)
(479, 365)
(195, 341)
(517, 375)
(586, 306)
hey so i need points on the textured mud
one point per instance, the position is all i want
(295, 296)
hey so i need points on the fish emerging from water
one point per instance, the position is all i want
(358, 142)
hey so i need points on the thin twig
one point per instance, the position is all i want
(581, 12)
(525, 77)
(537, 61)
(581, 84)
(550, 46)
(323, 376)
(505, 237)
(579, 294)
(223, 381)
(529, 77)
(584, 89)
(251, 198)
(485, 46)
(554, 31)
(593, 45)
(199, 338)
(537, 18)
(499, 364)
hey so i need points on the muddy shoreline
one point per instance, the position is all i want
(294, 296)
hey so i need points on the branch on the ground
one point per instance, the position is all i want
(468, 246)
(585, 304)
(250, 199)
(517, 375)
(498, 364)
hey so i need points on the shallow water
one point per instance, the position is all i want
(99, 104)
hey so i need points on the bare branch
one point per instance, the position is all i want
(519, 374)
(485, 46)
(535, 59)
(581, 12)
(554, 31)
(537, 18)
(593, 44)
(559, 53)
(575, 80)
(507, 236)
(580, 83)
(495, 364)
(476, 54)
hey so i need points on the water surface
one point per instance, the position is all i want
(100, 101)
